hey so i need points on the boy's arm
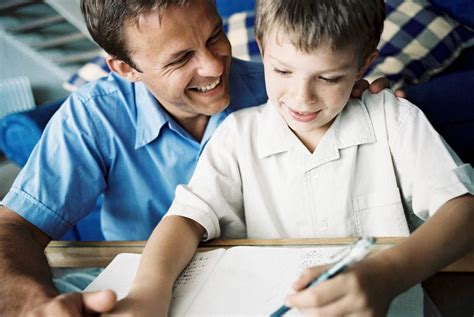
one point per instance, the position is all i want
(370, 286)
(169, 249)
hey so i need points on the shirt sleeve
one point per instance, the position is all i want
(213, 197)
(64, 175)
(429, 171)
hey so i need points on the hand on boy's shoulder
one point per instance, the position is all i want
(375, 87)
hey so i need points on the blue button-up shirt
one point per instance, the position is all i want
(112, 139)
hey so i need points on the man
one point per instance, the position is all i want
(132, 138)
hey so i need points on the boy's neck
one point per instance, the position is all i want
(311, 139)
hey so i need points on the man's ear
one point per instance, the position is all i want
(123, 69)
(368, 61)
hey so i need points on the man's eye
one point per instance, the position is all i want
(330, 80)
(281, 72)
(214, 38)
(181, 60)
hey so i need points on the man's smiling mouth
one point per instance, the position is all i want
(206, 87)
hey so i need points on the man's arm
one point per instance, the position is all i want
(369, 286)
(169, 249)
(26, 278)
(27, 285)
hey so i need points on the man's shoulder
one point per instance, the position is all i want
(112, 87)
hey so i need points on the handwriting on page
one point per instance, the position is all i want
(191, 280)
(319, 256)
(304, 258)
(190, 276)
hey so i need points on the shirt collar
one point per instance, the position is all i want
(151, 117)
(350, 128)
(353, 125)
(273, 134)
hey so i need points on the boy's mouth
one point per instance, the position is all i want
(303, 116)
(203, 88)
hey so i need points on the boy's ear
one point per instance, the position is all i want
(123, 69)
(368, 61)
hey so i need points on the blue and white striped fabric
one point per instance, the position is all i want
(239, 28)
(418, 41)
(15, 95)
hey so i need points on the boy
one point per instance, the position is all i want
(314, 163)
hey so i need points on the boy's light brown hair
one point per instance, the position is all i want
(343, 24)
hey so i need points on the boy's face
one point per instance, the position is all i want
(309, 89)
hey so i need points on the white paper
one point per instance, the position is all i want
(237, 282)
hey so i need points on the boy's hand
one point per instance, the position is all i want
(376, 86)
(358, 291)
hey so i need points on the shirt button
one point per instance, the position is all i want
(313, 174)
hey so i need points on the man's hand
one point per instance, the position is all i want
(356, 292)
(77, 304)
(377, 85)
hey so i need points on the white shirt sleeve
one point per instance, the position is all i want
(213, 197)
(429, 171)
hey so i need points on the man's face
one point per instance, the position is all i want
(309, 89)
(184, 58)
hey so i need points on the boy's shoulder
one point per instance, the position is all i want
(243, 120)
(247, 115)
(396, 110)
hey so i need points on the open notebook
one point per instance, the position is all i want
(238, 281)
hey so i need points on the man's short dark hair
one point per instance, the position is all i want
(106, 20)
(344, 24)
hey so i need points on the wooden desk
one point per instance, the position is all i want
(452, 289)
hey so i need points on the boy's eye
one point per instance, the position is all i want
(281, 72)
(330, 80)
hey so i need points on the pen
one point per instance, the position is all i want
(359, 250)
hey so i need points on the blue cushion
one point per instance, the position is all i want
(448, 110)
(418, 41)
(19, 132)
(460, 10)
(229, 7)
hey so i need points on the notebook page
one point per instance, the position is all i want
(192, 279)
(119, 275)
(255, 280)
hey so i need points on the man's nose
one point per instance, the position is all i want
(210, 64)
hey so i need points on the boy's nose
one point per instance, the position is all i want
(304, 93)
(210, 64)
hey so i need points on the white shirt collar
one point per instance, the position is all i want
(350, 128)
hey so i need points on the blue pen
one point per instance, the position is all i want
(358, 251)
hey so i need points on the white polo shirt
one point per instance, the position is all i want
(379, 164)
